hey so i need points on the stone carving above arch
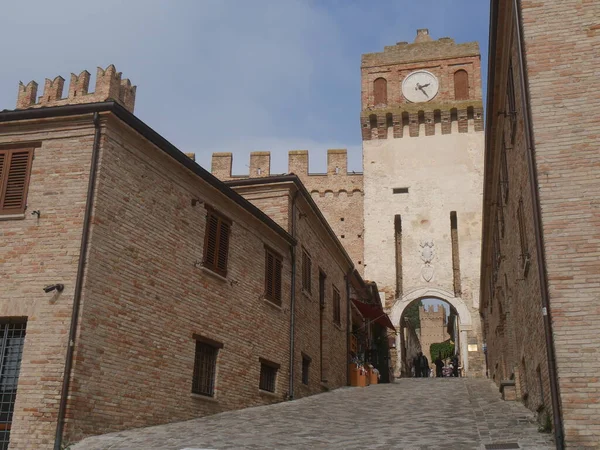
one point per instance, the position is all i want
(400, 305)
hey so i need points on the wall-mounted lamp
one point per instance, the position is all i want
(54, 287)
(36, 213)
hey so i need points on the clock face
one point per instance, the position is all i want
(420, 86)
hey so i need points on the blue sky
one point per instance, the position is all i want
(230, 75)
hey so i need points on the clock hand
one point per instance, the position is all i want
(425, 85)
(423, 90)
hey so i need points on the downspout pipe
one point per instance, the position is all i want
(348, 326)
(78, 285)
(293, 298)
(539, 236)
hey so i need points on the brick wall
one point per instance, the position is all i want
(313, 237)
(561, 42)
(40, 251)
(337, 193)
(146, 294)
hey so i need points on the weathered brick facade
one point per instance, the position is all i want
(146, 295)
(337, 193)
(540, 269)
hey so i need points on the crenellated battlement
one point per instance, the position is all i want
(417, 121)
(335, 182)
(109, 86)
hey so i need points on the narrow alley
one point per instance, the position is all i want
(416, 413)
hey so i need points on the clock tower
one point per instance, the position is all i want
(423, 142)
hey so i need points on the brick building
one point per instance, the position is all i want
(411, 221)
(169, 295)
(433, 328)
(540, 268)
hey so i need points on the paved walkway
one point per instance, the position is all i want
(419, 413)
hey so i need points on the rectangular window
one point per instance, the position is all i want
(500, 214)
(306, 271)
(205, 366)
(504, 173)
(403, 190)
(305, 368)
(273, 265)
(268, 375)
(336, 306)
(511, 102)
(15, 169)
(216, 242)
(523, 238)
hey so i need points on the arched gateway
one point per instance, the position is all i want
(464, 317)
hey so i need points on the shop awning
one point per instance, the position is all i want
(375, 313)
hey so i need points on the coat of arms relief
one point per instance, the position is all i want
(427, 255)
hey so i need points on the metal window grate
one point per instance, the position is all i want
(268, 374)
(205, 366)
(504, 446)
(12, 337)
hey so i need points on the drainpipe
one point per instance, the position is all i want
(293, 298)
(537, 219)
(348, 326)
(78, 286)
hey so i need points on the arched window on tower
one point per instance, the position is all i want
(380, 91)
(461, 85)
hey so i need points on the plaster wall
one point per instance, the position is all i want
(443, 173)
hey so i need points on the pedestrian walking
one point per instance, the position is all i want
(423, 364)
(439, 365)
(455, 366)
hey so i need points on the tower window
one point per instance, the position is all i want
(380, 91)
(461, 85)
(403, 190)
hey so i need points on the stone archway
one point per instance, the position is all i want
(464, 316)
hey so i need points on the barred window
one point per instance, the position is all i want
(273, 265)
(305, 368)
(216, 242)
(205, 366)
(336, 306)
(306, 271)
(15, 168)
(268, 375)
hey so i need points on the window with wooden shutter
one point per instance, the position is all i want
(306, 271)
(337, 310)
(273, 266)
(461, 85)
(15, 168)
(380, 91)
(216, 242)
(525, 257)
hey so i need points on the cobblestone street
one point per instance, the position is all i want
(409, 414)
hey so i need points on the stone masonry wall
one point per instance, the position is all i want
(562, 39)
(146, 294)
(36, 252)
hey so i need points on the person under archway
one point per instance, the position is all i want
(439, 365)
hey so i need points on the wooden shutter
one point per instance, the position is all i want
(461, 85)
(277, 280)
(223, 249)
(216, 243)
(273, 266)
(15, 168)
(380, 91)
